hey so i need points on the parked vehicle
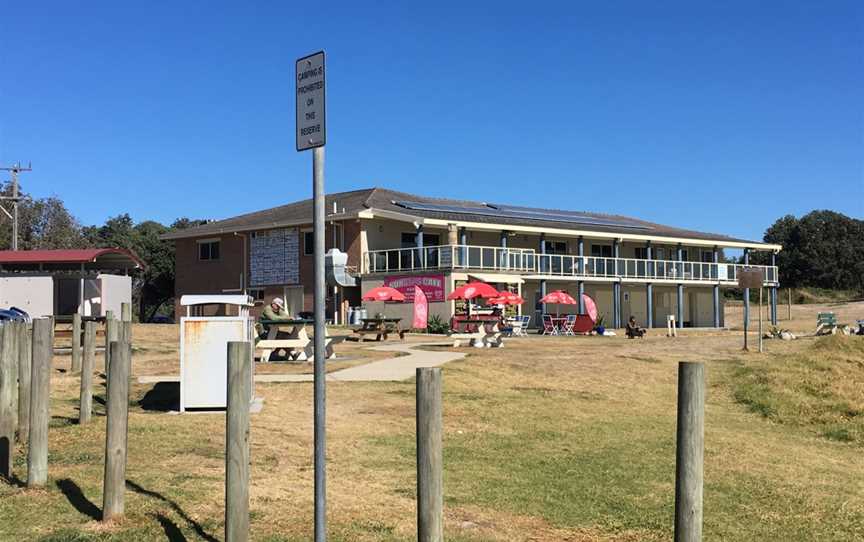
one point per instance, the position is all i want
(14, 314)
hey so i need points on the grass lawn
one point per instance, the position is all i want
(569, 438)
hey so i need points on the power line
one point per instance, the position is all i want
(14, 198)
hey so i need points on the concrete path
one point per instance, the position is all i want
(386, 370)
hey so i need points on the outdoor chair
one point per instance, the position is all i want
(568, 324)
(526, 322)
(549, 325)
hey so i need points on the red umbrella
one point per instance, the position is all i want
(559, 297)
(384, 293)
(506, 298)
(590, 307)
(472, 290)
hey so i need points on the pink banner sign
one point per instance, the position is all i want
(432, 286)
(421, 309)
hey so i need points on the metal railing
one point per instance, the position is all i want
(527, 261)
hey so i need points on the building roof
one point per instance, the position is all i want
(100, 258)
(383, 200)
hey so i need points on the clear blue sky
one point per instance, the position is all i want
(714, 117)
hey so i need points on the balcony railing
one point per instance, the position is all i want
(528, 262)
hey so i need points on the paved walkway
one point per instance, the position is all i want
(386, 370)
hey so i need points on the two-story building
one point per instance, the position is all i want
(630, 267)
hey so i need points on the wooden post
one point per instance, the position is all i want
(430, 479)
(237, 442)
(789, 303)
(689, 452)
(40, 397)
(76, 343)
(85, 410)
(126, 322)
(110, 336)
(8, 396)
(126, 312)
(25, 355)
(116, 431)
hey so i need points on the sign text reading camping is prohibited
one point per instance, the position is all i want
(311, 124)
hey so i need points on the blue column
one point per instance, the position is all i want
(649, 289)
(716, 291)
(543, 267)
(616, 287)
(502, 260)
(774, 292)
(580, 251)
(747, 290)
(463, 252)
(679, 313)
(420, 252)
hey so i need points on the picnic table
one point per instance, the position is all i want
(380, 327)
(479, 332)
(291, 336)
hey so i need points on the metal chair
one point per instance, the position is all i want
(567, 324)
(549, 325)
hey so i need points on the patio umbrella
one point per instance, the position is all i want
(471, 291)
(383, 293)
(559, 297)
(506, 298)
(590, 307)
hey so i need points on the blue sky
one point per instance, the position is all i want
(714, 117)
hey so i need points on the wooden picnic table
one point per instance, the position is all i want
(291, 336)
(380, 327)
(479, 332)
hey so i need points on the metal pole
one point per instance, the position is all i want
(14, 209)
(689, 453)
(760, 319)
(789, 304)
(319, 390)
(430, 479)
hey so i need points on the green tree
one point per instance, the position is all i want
(42, 224)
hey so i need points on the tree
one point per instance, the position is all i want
(42, 224)
(822, 249)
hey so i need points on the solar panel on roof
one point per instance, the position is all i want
(525, 213)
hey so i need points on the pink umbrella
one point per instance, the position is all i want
(472, 290)
(384, 293)
(590, 307)
(559, 297)
(506, 298)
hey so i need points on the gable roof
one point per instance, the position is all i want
(102, 258)
(349, 204)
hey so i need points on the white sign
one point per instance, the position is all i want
(311, 125)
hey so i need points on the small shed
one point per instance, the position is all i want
(67, 281)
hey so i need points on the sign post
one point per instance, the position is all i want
(750, 277)
(312, 134)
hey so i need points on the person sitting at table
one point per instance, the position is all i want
(274, 311)
(633, 329)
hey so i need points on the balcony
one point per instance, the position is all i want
(529, 264)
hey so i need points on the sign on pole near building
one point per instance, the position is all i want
(751, 277)
(311, 125)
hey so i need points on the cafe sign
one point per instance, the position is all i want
(432, 286)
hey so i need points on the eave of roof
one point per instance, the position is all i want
(70, 256)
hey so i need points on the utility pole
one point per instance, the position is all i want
(13, 171)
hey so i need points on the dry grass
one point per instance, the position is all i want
(547, 439)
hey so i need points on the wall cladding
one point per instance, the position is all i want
(274, 257)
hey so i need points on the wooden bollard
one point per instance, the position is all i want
(8, 396)
(237, 442)
(430, 478)
(126, 321)
(40, 397)
(76, 343)
(689, 452)
(116, 431)
(110, 336)
(85, 410)
(25, 355)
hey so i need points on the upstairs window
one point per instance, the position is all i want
(208, 250)
(555, 247)
(409, 240)
(308, 243)
(601, 251)
(641, 253)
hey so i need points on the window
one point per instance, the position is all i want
(208, 249)
(601, 251)
(685, 255)
(338, 237)
(659, 253)
(409, 240)
(256, 293)
(641, 253)
(555, 247)
(308, 243)
(708, 256)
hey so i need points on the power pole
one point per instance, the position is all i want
(13, 171)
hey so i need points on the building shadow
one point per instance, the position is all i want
(77, 499)
(172, 531)
(199, 530)
(162, 397)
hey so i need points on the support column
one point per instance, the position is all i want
(420, 252)
(543, 266)
(463, 240)
(580, 251)
(773, 292)
(649, 288)
(616, 287)
(716, 291)
(679, 313)
(502, 259)
(747, 290)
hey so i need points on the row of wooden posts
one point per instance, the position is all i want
(25, 368)
(26, 356)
